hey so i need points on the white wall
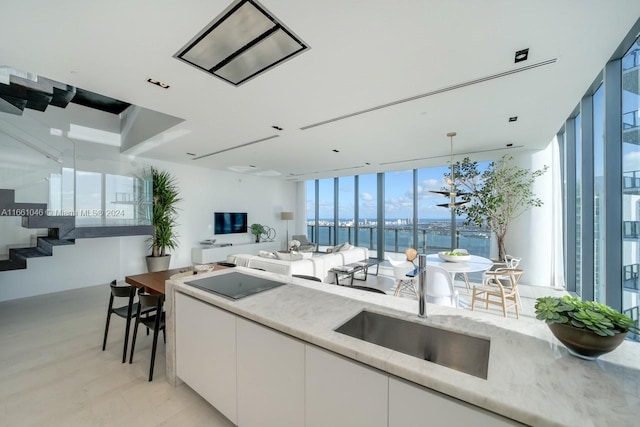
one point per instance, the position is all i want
(94, 261)
(531, 235)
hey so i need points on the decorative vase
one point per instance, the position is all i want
(158, 263)
(584, 343)
(257, 238)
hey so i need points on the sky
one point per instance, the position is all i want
(398, 195)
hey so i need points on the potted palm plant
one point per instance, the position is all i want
(257, 230)
(165, 198)
(587, 328)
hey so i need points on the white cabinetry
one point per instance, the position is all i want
(205, 255)
(258, 377)
(340, 392)
(411, 405)
(270, 377)
(206, 352)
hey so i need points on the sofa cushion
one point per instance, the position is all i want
(354, 254)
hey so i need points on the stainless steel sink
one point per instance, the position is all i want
(454, 350)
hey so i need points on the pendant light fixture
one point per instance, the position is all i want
(451, 194)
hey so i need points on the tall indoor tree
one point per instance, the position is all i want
(496, 196)
(165, 198)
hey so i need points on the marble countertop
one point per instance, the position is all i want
(531, 376)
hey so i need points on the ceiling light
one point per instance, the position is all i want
(190, 154)
(513, 119)
(509, 145)
(522, 55)
(277, 127)
(335, 151)
(158, 83)
(242, 42)
(450, 180)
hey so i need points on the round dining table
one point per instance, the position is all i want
(475, 263)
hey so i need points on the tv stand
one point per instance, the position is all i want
(219, 252)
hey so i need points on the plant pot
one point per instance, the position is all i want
(158, 263)
(584, 343)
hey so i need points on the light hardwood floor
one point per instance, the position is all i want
(53, 372)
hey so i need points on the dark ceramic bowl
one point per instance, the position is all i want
(585, 344)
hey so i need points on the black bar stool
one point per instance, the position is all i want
(155, 320)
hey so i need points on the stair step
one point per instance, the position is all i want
(47, 243)
(8, 265)
(111, 231)
(34, 252)
(57, 242)
(63, 224)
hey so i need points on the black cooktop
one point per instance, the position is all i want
(235, 285)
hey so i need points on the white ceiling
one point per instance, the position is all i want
(364, 54)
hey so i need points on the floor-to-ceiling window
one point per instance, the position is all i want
(578, 202)
(326, 212)
(607, 213)
(398, 211)
(411, 217)
(346, 209)
(312, 221)
(368, 212)
(631, 180)
(433, 222)
(599, 211)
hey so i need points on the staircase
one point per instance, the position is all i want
(61, 230)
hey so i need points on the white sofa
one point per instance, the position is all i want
(318, 265)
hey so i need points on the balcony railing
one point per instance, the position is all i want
(631, 229)
(398, 238)
(630, 120)
(631, 181)
(631, 273)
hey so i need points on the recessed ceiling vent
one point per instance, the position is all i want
(244, 41)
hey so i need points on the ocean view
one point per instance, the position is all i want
(433, 235)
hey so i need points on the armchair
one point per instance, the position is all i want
(305, 244)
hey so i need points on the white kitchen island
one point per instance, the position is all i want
(274, 359)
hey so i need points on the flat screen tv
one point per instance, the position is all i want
(230, 222)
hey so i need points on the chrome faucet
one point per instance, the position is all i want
(422, 285)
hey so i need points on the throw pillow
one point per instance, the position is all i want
(346, 246)
(266, 254)
(289, 256)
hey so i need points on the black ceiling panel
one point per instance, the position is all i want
(99, 102)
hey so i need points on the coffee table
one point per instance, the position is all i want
(349, 270)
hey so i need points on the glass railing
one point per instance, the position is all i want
(31, 157)
(112, 193)
(30, 162)
(431, 238)
(43, 165)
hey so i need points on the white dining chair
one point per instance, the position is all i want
(400, 270)
(440, 289)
